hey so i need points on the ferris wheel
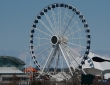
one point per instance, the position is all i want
(59, 39)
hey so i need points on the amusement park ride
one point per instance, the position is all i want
(60, 38)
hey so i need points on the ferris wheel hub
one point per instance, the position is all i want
(54, 39)
(59, 39)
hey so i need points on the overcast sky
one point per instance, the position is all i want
(17, 16)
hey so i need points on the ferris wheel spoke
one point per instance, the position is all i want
(42, 45)
(65, 59)
(68, 50)
(42, 32)
(47, 60)
(76, 61)
(70, 28)
(46, 27)
(41, 38)
(48, 19)
(77, 38)
(73, 57)
(59, 19)
(54, 19)
(64, 19)
(75, 31)
(68, 23)
(70, 59)
(76, 45)
(43, 51)
(73, 50)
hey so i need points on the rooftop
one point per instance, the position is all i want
(9, 70)
(15, 59)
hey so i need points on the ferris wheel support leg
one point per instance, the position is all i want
(52, 58)
(65, 59)
(57, 62)
(46, 61)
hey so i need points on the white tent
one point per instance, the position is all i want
(98, 66)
